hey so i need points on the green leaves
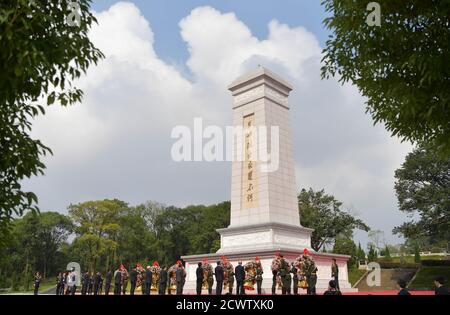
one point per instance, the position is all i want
(323, 213)
(41, 56)
(401, 67)
(423, 187)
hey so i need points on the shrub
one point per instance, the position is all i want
(435, 262)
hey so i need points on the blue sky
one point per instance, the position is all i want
(164, 16)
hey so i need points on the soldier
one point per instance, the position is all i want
(199, 274)
(230, 275)
(133, 280)
(147, 281)
(37, 282)
(162, 285)
(210, 281)
(288, 282)
(180, 278)
(259, 277)
(124, 281)
(335, 273)
(108, 278)
(117, 282)
(311, 279)
(284, 272)
(294, 271)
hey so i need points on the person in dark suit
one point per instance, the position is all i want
(401, 285)
(85, 283)
(91, 284)
(440, 288)
(133, 280)
(98, 281)
(108, 278)
(117, 282)
(199, 274)
(218, 272)
(332, 290)
(294, 279)
(239, 273)
(163, 277)
(147, 281)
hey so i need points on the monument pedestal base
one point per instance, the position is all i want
(322, 260)
(264, 237)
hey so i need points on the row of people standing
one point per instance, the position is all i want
(288, 281)
(66, 282)
(92, 283)
(220, 274)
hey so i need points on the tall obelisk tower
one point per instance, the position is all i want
(264, 207)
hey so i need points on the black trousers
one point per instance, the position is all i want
(240, 287)
(133, 287)
(179, 288)
(107, 288)
(210, 286)
(117, 289)
(36, 288)
(258, 286)
(219, 286)
(336, 279)
(312, 280)
(230, 287)
(147, 288)
(162, 289)
(96, 289)
(295, 282)
(274, 285)
(58, 288)
(199, 286)
(73, 290)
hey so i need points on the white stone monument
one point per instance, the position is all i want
(265, 217)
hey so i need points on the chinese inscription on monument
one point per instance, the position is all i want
(249, 171)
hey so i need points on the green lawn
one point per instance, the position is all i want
(426, 275)
(45, 284)
(354, 275)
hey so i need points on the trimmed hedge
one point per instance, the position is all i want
(435, 262)
(395, 265)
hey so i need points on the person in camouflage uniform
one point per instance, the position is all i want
(310, 271)
(259, 277)
(210, 281)
(230, 279)
(284, 272)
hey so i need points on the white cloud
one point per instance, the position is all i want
(117, 142)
